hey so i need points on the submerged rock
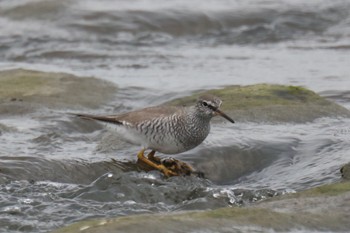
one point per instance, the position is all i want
(21, 91)
(323, 208)
(267, 102)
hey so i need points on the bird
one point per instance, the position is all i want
(166, 129)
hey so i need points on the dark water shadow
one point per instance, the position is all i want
(225, 165)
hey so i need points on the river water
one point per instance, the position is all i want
(56, 170)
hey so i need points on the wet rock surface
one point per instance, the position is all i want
(322, 209)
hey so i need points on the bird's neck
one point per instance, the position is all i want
(197, 116)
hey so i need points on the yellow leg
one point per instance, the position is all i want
(173, 164)
(159, 167)
(153, 158)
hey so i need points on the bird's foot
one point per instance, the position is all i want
(181, 168)
(177, 166)
(154, 163)
(169, 167)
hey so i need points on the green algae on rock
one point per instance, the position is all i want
(268, 102)
(22, 90)
(317, 209)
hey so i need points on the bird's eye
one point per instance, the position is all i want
(204, 104)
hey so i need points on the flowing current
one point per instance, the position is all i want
(56, 170)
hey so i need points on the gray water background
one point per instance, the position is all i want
(56, 170)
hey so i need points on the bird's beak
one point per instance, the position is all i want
(220, 113)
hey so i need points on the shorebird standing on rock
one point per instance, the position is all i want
(166, 129)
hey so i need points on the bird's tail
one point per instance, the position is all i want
(108, 119)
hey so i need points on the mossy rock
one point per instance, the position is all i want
(317, 209)
(272, 103)
(24, 90)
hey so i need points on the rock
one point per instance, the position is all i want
(345, 171)
(323, 208)
(22, 91)
(271, 103)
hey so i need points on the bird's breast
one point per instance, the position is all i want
(173, 135)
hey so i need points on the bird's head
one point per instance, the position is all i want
(209, 105)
